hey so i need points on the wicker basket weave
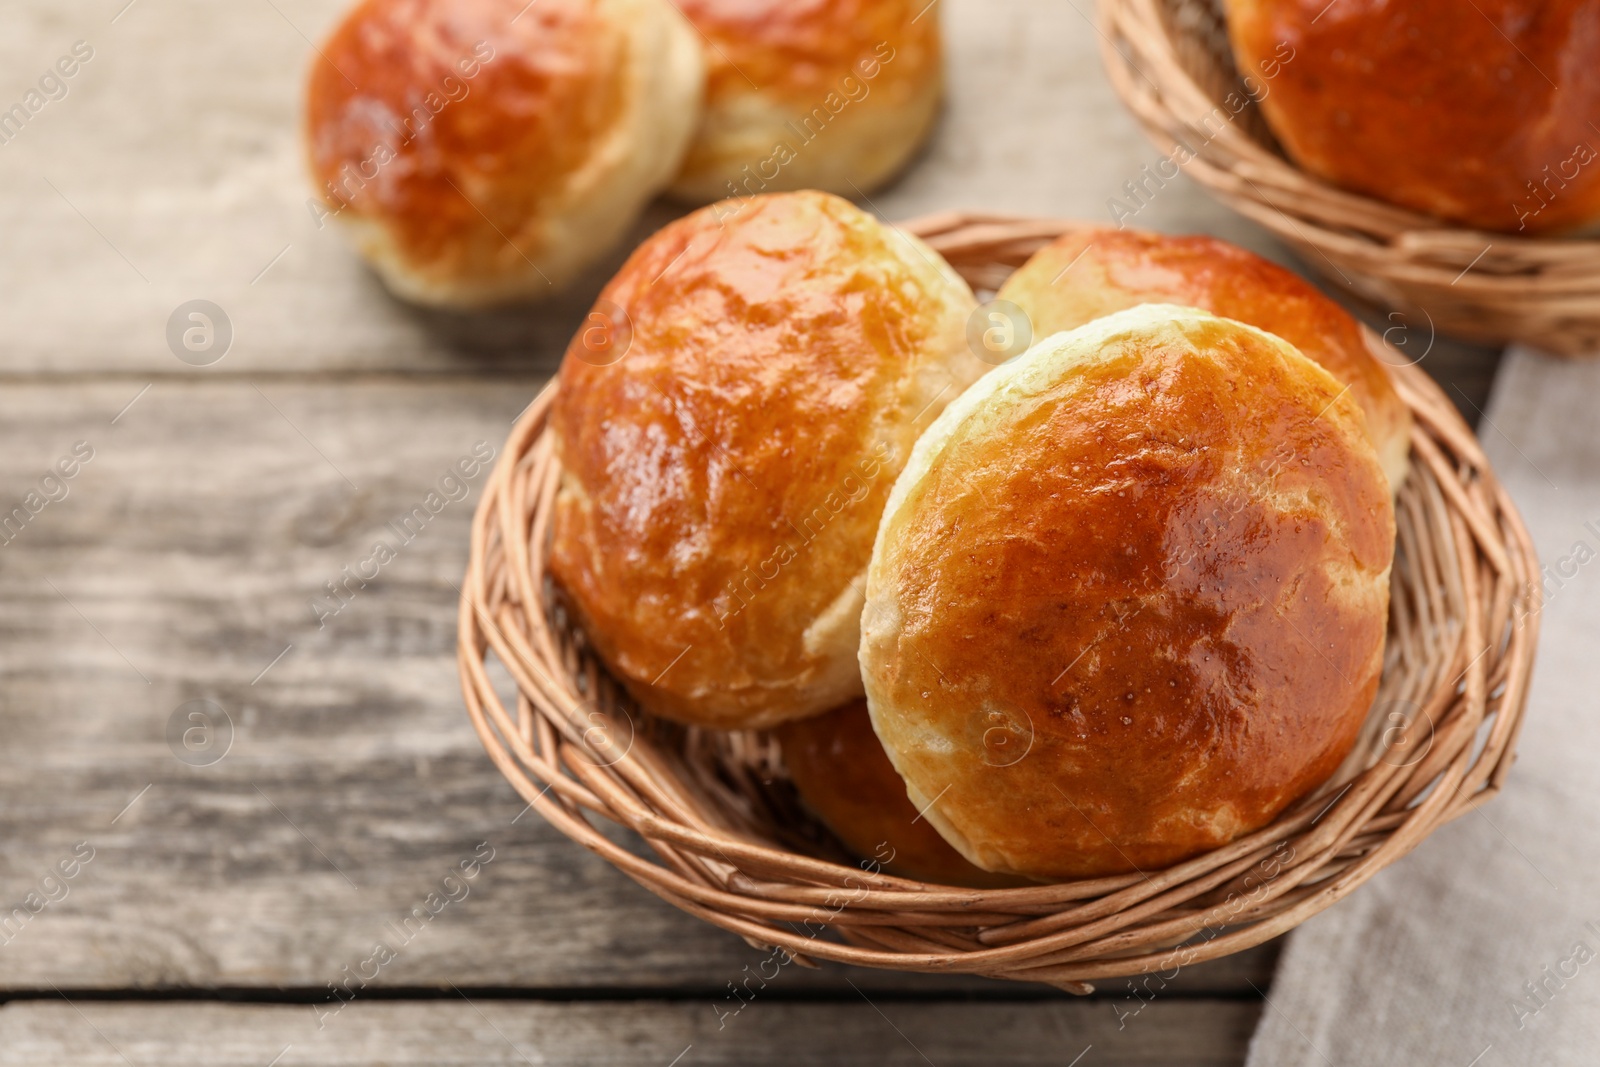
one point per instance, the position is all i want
(1170, 62)
(732, 846)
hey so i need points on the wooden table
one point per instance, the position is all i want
(214, 905)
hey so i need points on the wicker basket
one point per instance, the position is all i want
(732, 846)
(1170, 62)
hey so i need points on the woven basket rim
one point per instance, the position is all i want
(1468, 608)
(1480, 284)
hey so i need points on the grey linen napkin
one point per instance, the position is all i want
(1482, 947)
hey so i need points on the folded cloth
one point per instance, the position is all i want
(1482, 947)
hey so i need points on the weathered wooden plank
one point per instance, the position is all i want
(172, 170)
(182, 561)
(180, 565)
(460, 1031)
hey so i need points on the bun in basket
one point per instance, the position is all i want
(1129, 597)
(480, 151)
(1479, 114)
(722, 481)
(1093, 271)
(810, 94)
(840, 771)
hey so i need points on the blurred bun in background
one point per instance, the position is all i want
(811, 94)
(725, 466)
(1094, 271)
(1129, 597)
(1478, 113)
(483, 151)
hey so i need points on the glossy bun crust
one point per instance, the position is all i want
(1093, 271)
(842, 774)
(723, 480)
(1129, 596)
(810, 94)
(1478, 114)
(487, 150)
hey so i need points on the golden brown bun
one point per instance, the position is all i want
(723, 481)
(1449, 109)
(1129, 596)
(1094, 271)
(487, 150)
(810, 94)
(841, 772)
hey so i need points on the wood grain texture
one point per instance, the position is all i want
(183, 560)
(173, 170)
(857, 1033)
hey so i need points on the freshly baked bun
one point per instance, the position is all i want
(810, 94)
(481, 151)
(842, 774)
(1478, 116)
(1093, 271)
(1129, 596)
(723, 479)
